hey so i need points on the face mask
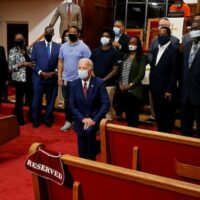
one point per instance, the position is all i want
(48, 37)
(132, 47)
(178, 5)
(162, 40)
(69, 1)
(116, 30)
(66, 39)
(104, 41)
(195, 33)
(83, 74)
(72, 37)
(19, 43)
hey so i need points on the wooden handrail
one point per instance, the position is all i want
(38, 39)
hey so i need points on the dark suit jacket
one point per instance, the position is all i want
(4, 74)
(191, 77)
(174, 41)
(94, 106)
(163, 76)
(123, 41)
(42, 62)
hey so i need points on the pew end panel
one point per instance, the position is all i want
(91, 180)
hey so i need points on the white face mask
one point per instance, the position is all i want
(132, 47)
(105, 41)
(195, 33)
(116, 30)
(83, 74)
(69, 1)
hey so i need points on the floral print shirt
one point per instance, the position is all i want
(16, 57)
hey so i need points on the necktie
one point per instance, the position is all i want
(85, 89)
(48, 50)
(68, 10)
(193, 52)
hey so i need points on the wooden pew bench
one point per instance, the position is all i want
(9, 129)
(90, 180)
(153, 152)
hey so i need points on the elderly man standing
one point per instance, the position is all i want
(88, 104)
(70, 15)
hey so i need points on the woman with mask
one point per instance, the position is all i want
(132, 73)
(20, 66)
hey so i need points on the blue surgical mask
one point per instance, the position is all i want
(162, 40)
(104, 41)
(195, 33)
(117, 31)
(83, 74)
(68, 1)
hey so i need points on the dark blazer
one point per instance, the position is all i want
(163, 76)
(94, 106)
(123, 41)
(174, 41)
(4, 73)
(191, 76)
(42, 62)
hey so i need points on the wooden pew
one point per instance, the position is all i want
(90, 180)
(9, 129)
(153, 152)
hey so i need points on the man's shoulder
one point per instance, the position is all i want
(174, 39)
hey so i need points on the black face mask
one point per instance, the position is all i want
(19, 43)
(48, 37)
(162, 40)
(72, 37)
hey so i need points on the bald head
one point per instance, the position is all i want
(164, 22)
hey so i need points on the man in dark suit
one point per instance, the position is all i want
(190, 107)
(89, 102)
(121, 39)
(163, 77)
(3, 72)
(45, 57)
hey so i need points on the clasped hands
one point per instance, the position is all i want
(88, 122)
(48, 74)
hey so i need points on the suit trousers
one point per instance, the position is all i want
(164, 113)
(87, 143)
(39, 89)
(189, 114)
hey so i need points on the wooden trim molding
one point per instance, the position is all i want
(103, 141)
(135, 158)
(76, 191)
(188, 171)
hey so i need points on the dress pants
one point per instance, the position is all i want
(23, 89)
(189, 114)
(164, 113)
(87, 144)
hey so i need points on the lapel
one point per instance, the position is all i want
(90, 88)
(196, 58)
(163, 55)
(80, 87)
(187, 54)
(45, 49)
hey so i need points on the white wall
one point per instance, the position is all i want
(37, 13)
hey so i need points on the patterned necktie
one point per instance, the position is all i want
(85, 89)
(48, 50)
(193, 52)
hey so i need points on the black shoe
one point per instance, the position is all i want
(48, 124)
(35, 124)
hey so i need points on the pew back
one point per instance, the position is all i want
(158, 153)
(91, 180)
(9, 129)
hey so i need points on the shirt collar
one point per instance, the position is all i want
(164, 46)
(77, 42)
(46, 43)
(88, 82)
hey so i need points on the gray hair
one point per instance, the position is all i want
(88, 61)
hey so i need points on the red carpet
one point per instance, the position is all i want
(16, 182)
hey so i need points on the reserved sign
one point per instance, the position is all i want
(46, 164)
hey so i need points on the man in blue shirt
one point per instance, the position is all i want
(70, 54)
